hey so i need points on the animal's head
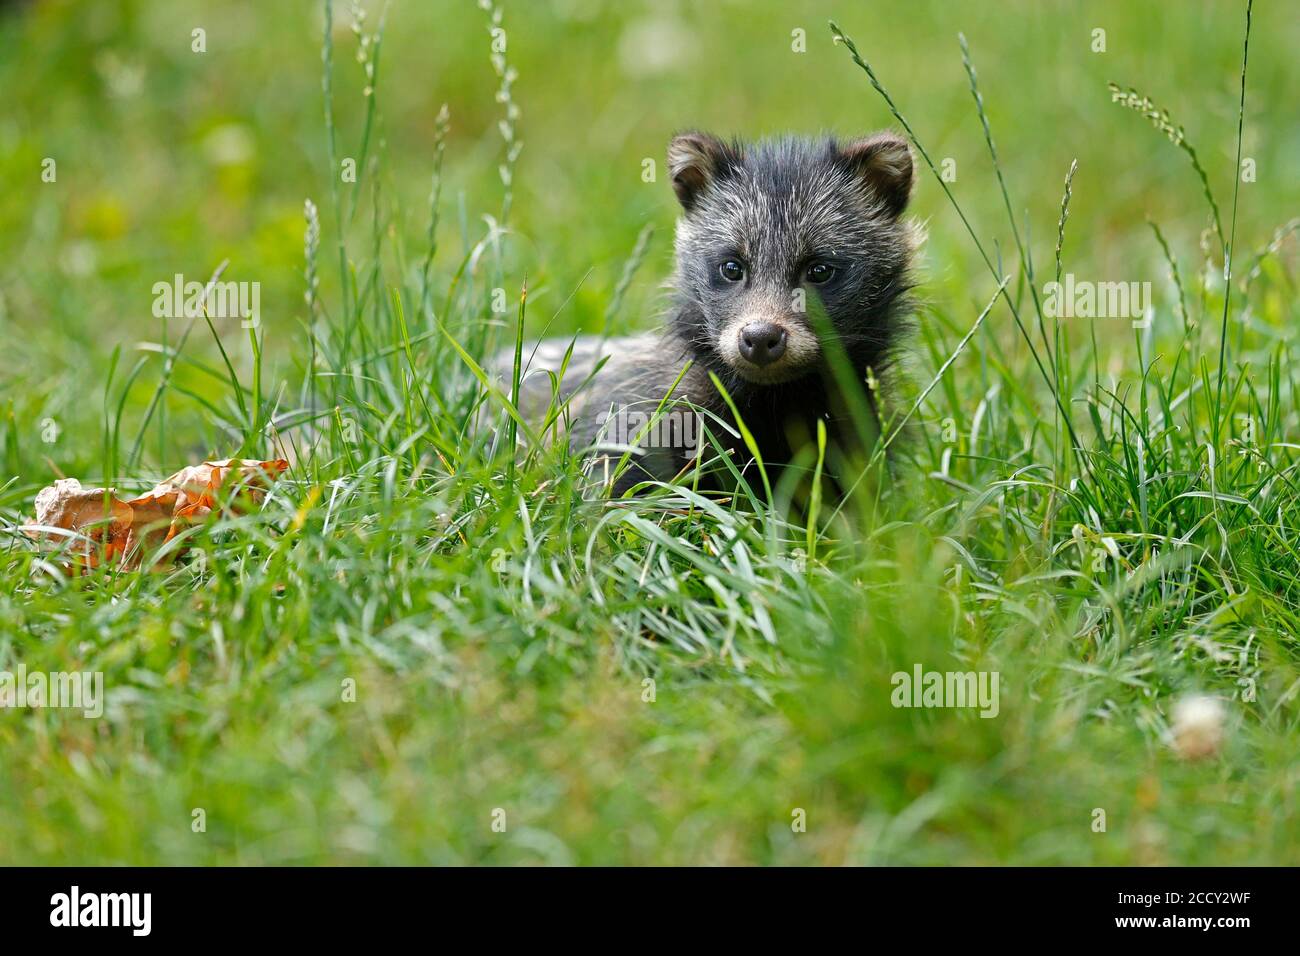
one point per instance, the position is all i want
(770, 229)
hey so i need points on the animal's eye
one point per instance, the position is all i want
(820, 272)
(732, 271)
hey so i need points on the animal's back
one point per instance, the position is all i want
(600, 398)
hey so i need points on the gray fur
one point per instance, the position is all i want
(774, 207)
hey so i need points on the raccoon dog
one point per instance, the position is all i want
(770, 234)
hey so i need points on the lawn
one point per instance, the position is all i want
(422, 649)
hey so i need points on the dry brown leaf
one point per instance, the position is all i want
(151, 520)
(128, 527)
(94, 513)
(65, 504)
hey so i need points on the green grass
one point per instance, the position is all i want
(1106, 516)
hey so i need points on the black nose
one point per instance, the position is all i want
(762, 342)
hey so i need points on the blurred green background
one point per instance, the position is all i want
(169, 160)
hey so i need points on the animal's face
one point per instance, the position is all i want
(770, 230)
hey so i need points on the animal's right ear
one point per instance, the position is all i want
(694, 161)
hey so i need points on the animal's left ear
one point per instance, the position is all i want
(884, 162)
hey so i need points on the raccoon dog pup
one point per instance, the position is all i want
(765, 227)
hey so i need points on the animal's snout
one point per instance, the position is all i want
(762, 342)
